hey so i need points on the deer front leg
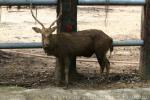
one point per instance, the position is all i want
(67, 63)
(59, 71)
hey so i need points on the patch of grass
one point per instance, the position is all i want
(10, 88)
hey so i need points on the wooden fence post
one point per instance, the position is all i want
(145, 35)
(67, 23)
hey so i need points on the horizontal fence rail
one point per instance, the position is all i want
(111, 2)
(128, 43)
(20, 45)
(80, 2)
(39, 45)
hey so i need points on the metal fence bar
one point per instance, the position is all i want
(112, 2)
(20, 45)
(128, 43)
(80, 2)
(39, 45)
(27, 2)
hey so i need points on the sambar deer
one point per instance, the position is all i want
(82, 43)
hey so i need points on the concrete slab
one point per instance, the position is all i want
(53, 93)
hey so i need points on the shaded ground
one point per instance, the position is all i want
(29, 71)
(35, 72)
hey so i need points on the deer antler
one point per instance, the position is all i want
(60, 14)
(35, 17)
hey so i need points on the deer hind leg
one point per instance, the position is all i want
(104, 64)
(100, 59)
(107, 66)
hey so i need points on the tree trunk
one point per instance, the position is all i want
(145, 35)
(67, 23)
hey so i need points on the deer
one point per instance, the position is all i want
(73, 44)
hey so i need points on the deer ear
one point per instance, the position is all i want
(37, 30)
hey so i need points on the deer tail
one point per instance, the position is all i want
(111, 49)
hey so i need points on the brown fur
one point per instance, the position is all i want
(82, 43)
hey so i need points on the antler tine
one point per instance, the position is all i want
(60, 14)
(35, 17)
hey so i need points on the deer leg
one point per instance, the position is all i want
(59, 71)
(104, 63)
(67, 63)
(107, 65)
(101, 62)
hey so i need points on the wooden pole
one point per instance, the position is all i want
(67, 23)
(145, 35)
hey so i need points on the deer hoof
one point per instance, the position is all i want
(66, 87)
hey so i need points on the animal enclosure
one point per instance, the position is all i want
(93, 74)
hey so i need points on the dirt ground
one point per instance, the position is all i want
(33, 69)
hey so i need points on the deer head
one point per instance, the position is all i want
(45, 32)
